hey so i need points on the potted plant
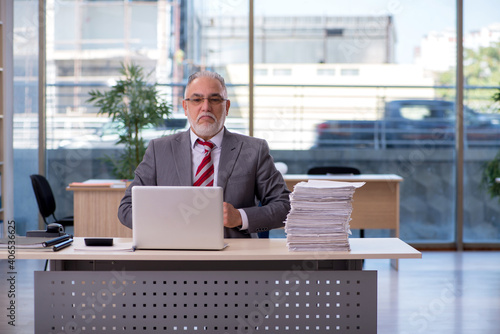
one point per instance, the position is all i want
(491, 171)
(133, 104)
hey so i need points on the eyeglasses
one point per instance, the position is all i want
(213, 100)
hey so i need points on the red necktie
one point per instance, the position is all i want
(204, 176)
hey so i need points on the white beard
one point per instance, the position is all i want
(207, 130)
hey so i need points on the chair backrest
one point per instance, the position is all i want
(333, 170)
(44, 195)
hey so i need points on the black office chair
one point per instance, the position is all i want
(46, 202)
(333, 170)
(336, 170)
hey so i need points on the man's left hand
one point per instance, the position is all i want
(232, 217)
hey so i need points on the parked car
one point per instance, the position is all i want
(110, 131)
(408, 123)
(108, 134)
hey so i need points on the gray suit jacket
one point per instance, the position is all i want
(246, 173)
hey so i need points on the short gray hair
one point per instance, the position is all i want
(207, 74)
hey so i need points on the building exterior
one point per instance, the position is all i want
(296, 40)
(437, 51)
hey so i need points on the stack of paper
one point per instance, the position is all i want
(319, 216)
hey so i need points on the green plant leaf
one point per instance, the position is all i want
(134, 104)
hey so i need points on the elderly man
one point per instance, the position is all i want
(255, 195)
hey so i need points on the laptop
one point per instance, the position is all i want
(177, 218)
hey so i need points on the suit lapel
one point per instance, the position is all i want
(230, 151)
(182, 151)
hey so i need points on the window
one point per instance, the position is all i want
(349, 72)
(315, 66)
(260, 72)
(416, 113)
(481, 212)
(371, 46)
(282, 72)
(25, 130)
(334, 32)
(325, 72)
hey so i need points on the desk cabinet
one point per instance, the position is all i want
(96, 212)
(208, 302)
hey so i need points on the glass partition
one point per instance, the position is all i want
(370, 85)
(87, 43)
(25, 130)
(338, 84)
(482, 122)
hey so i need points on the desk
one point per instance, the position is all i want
(95, 211)
(257, 286)
(375, 206)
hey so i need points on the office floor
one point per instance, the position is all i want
(444, 292)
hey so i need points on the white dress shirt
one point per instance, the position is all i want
(197, 154)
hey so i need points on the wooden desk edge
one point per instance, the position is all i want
(121, 189)
(271, 249)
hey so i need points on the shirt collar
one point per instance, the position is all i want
(217, 139)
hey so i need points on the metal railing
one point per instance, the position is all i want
(287, 116)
